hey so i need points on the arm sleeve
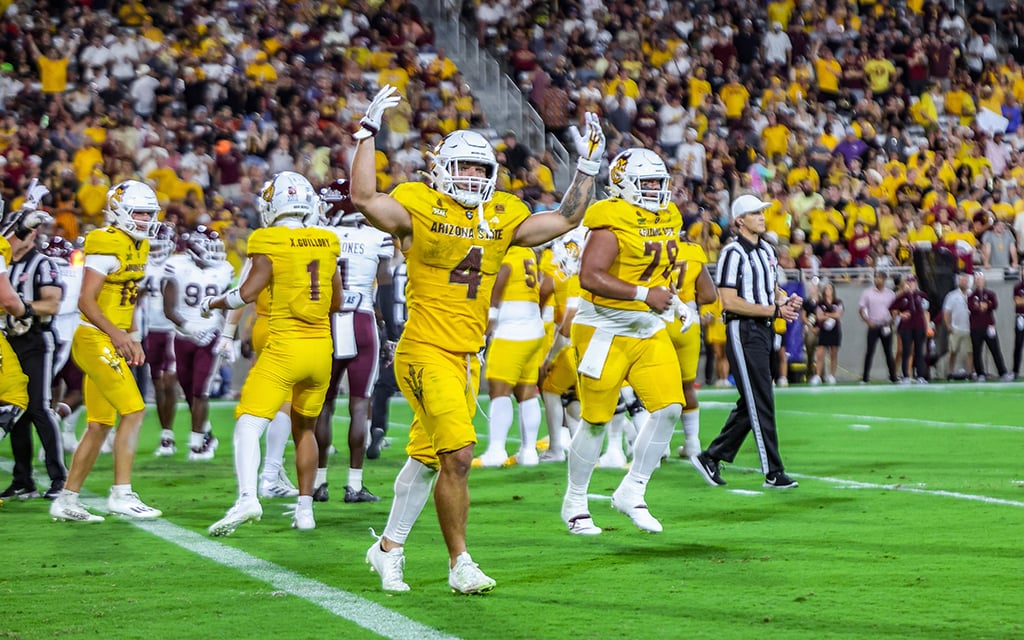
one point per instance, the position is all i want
(105, 264)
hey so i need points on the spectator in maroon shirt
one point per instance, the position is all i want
(910, 310)
(859, 245)
(982, 304)
(1018, 323)
(228, 170)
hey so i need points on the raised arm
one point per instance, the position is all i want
(543, 227)
(383, 211)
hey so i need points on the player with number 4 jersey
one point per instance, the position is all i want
(454, 235)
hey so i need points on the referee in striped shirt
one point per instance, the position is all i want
(752, 300)
(36, 280)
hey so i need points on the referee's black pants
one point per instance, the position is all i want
(36, 351)
(749, 348)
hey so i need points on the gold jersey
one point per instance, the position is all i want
(695, 258)
(523, 284)
(120, 290)
(301, 289)
(648, 246)
(262, 303)
(453, 265)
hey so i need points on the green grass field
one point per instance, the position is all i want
(907, 524)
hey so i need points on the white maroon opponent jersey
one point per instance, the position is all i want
(362, 248)
(66, 320)
(152, 302)
(194, 283)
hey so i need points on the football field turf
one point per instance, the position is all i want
(907, 524)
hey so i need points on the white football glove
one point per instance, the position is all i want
(589, 144)
(385, 99)
(204, 337)
(35, 194)
(204, 306)
(225, 349)
(686, 315)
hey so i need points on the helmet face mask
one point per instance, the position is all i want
(629, 172)
(450, 164)
(57, 247)
(128, 200)
(204, 246)
(336, 205)
(287, 195)
(161, 245)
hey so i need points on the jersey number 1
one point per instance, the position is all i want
(313, 268)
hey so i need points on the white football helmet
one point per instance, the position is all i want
(568, 249)
(127, 199)
(456, 149)
(630, 169)
(288, 195)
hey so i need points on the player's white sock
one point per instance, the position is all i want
(691, 424)
(207, 427)
(412, 489)
(195, 440)
(277, 438)
(555, 416)
(584, 451)
(321, 477)
(355, 479)
(615, 429)
(529, 423)
(166, 434)
(248, 431)
(500, 421)
(650, 445)
(305, 502)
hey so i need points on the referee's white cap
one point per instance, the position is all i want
(745, 204)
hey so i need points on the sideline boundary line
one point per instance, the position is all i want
(356, 609)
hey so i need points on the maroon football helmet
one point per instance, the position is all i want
(204, 246)
(58, 247)
(336, 204)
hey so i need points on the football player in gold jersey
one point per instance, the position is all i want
(454, 237)
(13, 381)
(297, 263)
(627, 277)
(106, 344)
(514, 358)
(696, 287)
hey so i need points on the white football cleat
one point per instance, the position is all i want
(389, 565)
(490, 459)
(69, 508)
(467, 578)
(130, 506)
(279, 487)
(553, 455)
(613, 459)
(527, 458)
(689, 449)
(166, 448)
(244, 510)
(303, 519)
(637, 511)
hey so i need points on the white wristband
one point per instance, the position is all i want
(229, 330)
(641, 294)
(492, 314)
(589, 167)
(135, 336)
(234, 299)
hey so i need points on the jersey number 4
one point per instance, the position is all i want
(467, 272)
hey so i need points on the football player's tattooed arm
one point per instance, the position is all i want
(544, 227)
(382, 211)
(124, 343)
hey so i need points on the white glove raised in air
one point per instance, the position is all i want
(589, 144)
(225, 349)
(34, 194)
(385, 99)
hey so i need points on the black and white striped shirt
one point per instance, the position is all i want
(750, 269)
(29, 274)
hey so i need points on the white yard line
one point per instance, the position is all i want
(365, 613)
(861, 419)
